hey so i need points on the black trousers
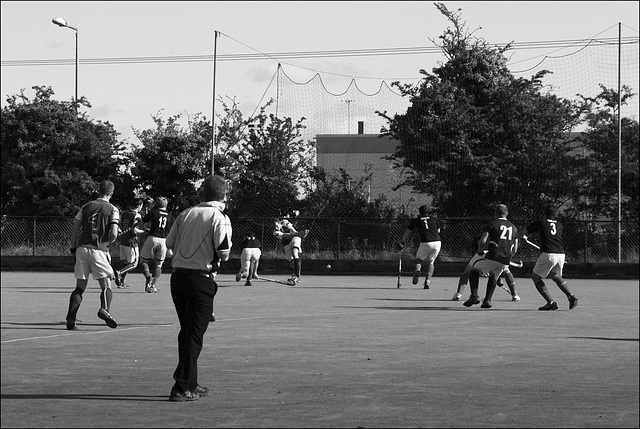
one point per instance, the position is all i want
(192, 295)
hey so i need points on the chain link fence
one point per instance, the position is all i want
(351, 239)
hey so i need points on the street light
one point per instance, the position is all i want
(63, 23)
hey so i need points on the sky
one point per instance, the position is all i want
(128, 93)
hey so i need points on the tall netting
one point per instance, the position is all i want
(585, 70)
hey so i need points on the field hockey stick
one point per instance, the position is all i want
(399, 268)
(131, 228)
(531, 244)
(266, 279)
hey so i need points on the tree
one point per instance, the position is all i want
(52, 161)
(173, 161)
(475, 135)
(600, 140)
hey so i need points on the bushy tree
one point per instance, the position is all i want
(599, 190)
(52, 160)
(475, 135)
(173, 161)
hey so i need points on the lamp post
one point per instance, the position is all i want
(348, 101)
(62, 23)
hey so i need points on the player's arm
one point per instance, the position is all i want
(482, 242)
(75, 234)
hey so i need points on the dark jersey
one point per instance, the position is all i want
(128, 219)
(428, 228)
(550, 232)
(504, 234)
(97, 217)
(159, 221)
(251, 243)
(285, 228)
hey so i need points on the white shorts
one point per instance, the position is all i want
(129, 255)
(249, 255)
(154, 248)
(429, 251)
(94, 261)
(296, 242)
(486, 267)
(548, 263)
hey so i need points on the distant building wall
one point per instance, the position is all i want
(354, 152)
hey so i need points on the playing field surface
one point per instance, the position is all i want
(333, 351)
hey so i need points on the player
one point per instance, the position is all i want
(428, 228)
(129, 250)
(464, 277)
(504, 237)
(159, 222)
(292, 243)
(95, 228)
(551, 261)
(249, 258)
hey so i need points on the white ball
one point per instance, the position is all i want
(329, 267)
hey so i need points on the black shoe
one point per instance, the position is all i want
(201, 391)
(549, 306)
(116, 277)
(473, 300)
(212, 318)
(426, 285)
(486, 304)
(573, 302)
(104, 315)
(177, 396)
(71, 325)
(416, 277)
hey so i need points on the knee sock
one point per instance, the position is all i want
(511, 282)
(474, 279)
(297, 266)
(562, 284)
(157, 271)
(542, 288)
(430, 269)
(74, 303)
(105, 298)
(491, 287)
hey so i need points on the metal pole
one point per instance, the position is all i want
(76, 103)
(213, 105)
(619, 145)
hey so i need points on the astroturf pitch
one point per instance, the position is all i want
(333, 351)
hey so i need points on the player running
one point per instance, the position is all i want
(292, 244)
(428, 228)
(551, 261)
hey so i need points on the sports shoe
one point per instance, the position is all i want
(104, 315)
(573, 302)
(212, 318)
(426, 285)
(71, 325)
(147, 285)
(486, 304)
(293, 280)
(238, 276)
(549, 306)
(515, 298)
(473, 300)
(117, 278)
(152, 289)
(248, 283)
(457, 297)
(416, 277)
(201, 390)
(177, 396)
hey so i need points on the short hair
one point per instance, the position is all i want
(135, 203)
(106, 187)
(549, 211)
(162, 202)
(501, 210)
(423, 210)
(214, 188)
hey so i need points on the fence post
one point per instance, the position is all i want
(33, 243)
(338, 237)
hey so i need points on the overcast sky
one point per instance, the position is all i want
(127, 94)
